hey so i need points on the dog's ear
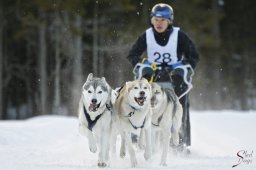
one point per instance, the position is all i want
(144, 79)
(114, 95)
(127, 85)
(103, 79)
(90, 76)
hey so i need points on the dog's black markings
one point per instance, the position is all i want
(91, 123)
(158, 121)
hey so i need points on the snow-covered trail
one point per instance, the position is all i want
(53, 142)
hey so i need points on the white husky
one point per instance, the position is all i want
(167, 114)
(133, 111)
(95, 109)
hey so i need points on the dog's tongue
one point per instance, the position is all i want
(140, 100)
(93, 107)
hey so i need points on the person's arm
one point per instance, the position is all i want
(137, 50)
(187, 49)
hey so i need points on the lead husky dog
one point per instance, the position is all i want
(95, 109)
(167, 114)
(133, 111)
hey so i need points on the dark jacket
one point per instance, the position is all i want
(185, 47)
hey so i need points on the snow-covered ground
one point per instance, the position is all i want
(220, 139)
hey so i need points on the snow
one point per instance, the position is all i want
(53, 142)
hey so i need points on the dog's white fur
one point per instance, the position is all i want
(133, 114)
(98, 91)
(167, 114)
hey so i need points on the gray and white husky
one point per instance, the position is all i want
(167, 114)
(94, 111)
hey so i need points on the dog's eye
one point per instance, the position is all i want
(145, 87)
(136, 88)
(100, 92)
(89, 91)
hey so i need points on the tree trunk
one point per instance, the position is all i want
(57, 99)
(95, 40)
(77, 65)
(43, 91)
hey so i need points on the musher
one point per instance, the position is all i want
(171, 57)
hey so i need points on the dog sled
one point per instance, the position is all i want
(170, 76)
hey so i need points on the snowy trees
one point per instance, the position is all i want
(48, 48)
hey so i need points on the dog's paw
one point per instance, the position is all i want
(134, 163)
(147, 155)
(102, 164)
(122, 153)
(93, 148)
(163, 163)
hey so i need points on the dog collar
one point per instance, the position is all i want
(108, 106)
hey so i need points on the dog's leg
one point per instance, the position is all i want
(91, 141)
(166, 138)
(177, 121)
(142, 139)
(104, 148)
(108, 140)
(131, 150)
(122, 149)
(104, 140)
(113, 143)
(154, 139)
(148, 149)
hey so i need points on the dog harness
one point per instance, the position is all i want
(91, 123)
(130, 115)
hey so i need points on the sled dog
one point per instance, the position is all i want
(133, 111)
(167, 114)
(94, 111)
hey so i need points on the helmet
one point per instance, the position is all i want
(163, 11)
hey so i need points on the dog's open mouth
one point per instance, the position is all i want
(140, 100)
(94, 107)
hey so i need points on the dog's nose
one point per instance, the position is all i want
(94, 101)
(142, 93)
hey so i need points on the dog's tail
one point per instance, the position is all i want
(177, 113)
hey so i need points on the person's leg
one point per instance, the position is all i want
(180, 87)
(185, 127)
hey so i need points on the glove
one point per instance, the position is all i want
(184, 62)
(143, 70)
(174, 66)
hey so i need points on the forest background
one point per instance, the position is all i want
(48, 47)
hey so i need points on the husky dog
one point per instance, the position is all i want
(95, 109)
(133, 111)
(167, 114)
